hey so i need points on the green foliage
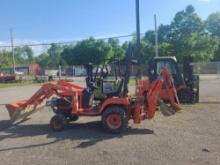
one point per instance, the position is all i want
(164, 49)
(188, 36)
(217, 52)
(43, 59)
(86, 51)
(185, 36)
(164, 33)
(146, 52)
(203, 46)
(54, 53)
(5, 59)
(51, 59)
(213, 24)
(118, 51)
(22, 55)
(149, 37)
(185, 23)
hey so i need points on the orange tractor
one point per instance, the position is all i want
(70, 101)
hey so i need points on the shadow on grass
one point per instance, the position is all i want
(90, 133)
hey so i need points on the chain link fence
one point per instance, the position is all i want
(207, 70)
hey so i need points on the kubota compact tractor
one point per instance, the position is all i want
(70, 101)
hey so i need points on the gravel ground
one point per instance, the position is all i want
(191, 136)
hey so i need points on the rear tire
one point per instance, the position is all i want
(73, 118)
(58, 122)
(114, 119)
(185, 96)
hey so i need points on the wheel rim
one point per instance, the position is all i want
(114, 121)
(56, 124)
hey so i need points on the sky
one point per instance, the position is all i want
(36, 21)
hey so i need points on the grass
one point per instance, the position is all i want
(17, 84)
(132, 82)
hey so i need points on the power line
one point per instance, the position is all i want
(67, 42)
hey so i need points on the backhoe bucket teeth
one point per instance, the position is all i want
(165, 109)
(19, 111)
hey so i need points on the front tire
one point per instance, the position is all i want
(73, 118)
(58, 122)
(114, 119)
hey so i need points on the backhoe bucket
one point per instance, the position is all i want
(165, 109)
(20, 110)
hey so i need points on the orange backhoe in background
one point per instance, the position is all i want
(70, 101)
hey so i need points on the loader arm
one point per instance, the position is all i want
(24, 108)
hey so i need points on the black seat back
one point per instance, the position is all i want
(117, 93)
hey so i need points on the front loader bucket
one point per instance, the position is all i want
(20, 110)
(24, 108)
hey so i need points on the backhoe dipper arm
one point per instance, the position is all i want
(165, 81)
(152, 98)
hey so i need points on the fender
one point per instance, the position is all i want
(115, 101)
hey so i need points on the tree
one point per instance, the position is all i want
(164, 33)
(200, 46)
(117, 50)
(5, 59)
(146, 52)
(23, 55)
(149, 37)
(203, 46)
(213, 24)
(86, 51)
(187, 36)
(165, 49)
(54, 53)
(43, 60)
(217, 52)
(163, 46)
(125, 45)
(28, 52)
(185, 23)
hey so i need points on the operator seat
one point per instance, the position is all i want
(116, 93)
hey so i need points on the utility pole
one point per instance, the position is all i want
(156, 35)
(138, 24)
(12, 49)
(137, 51)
